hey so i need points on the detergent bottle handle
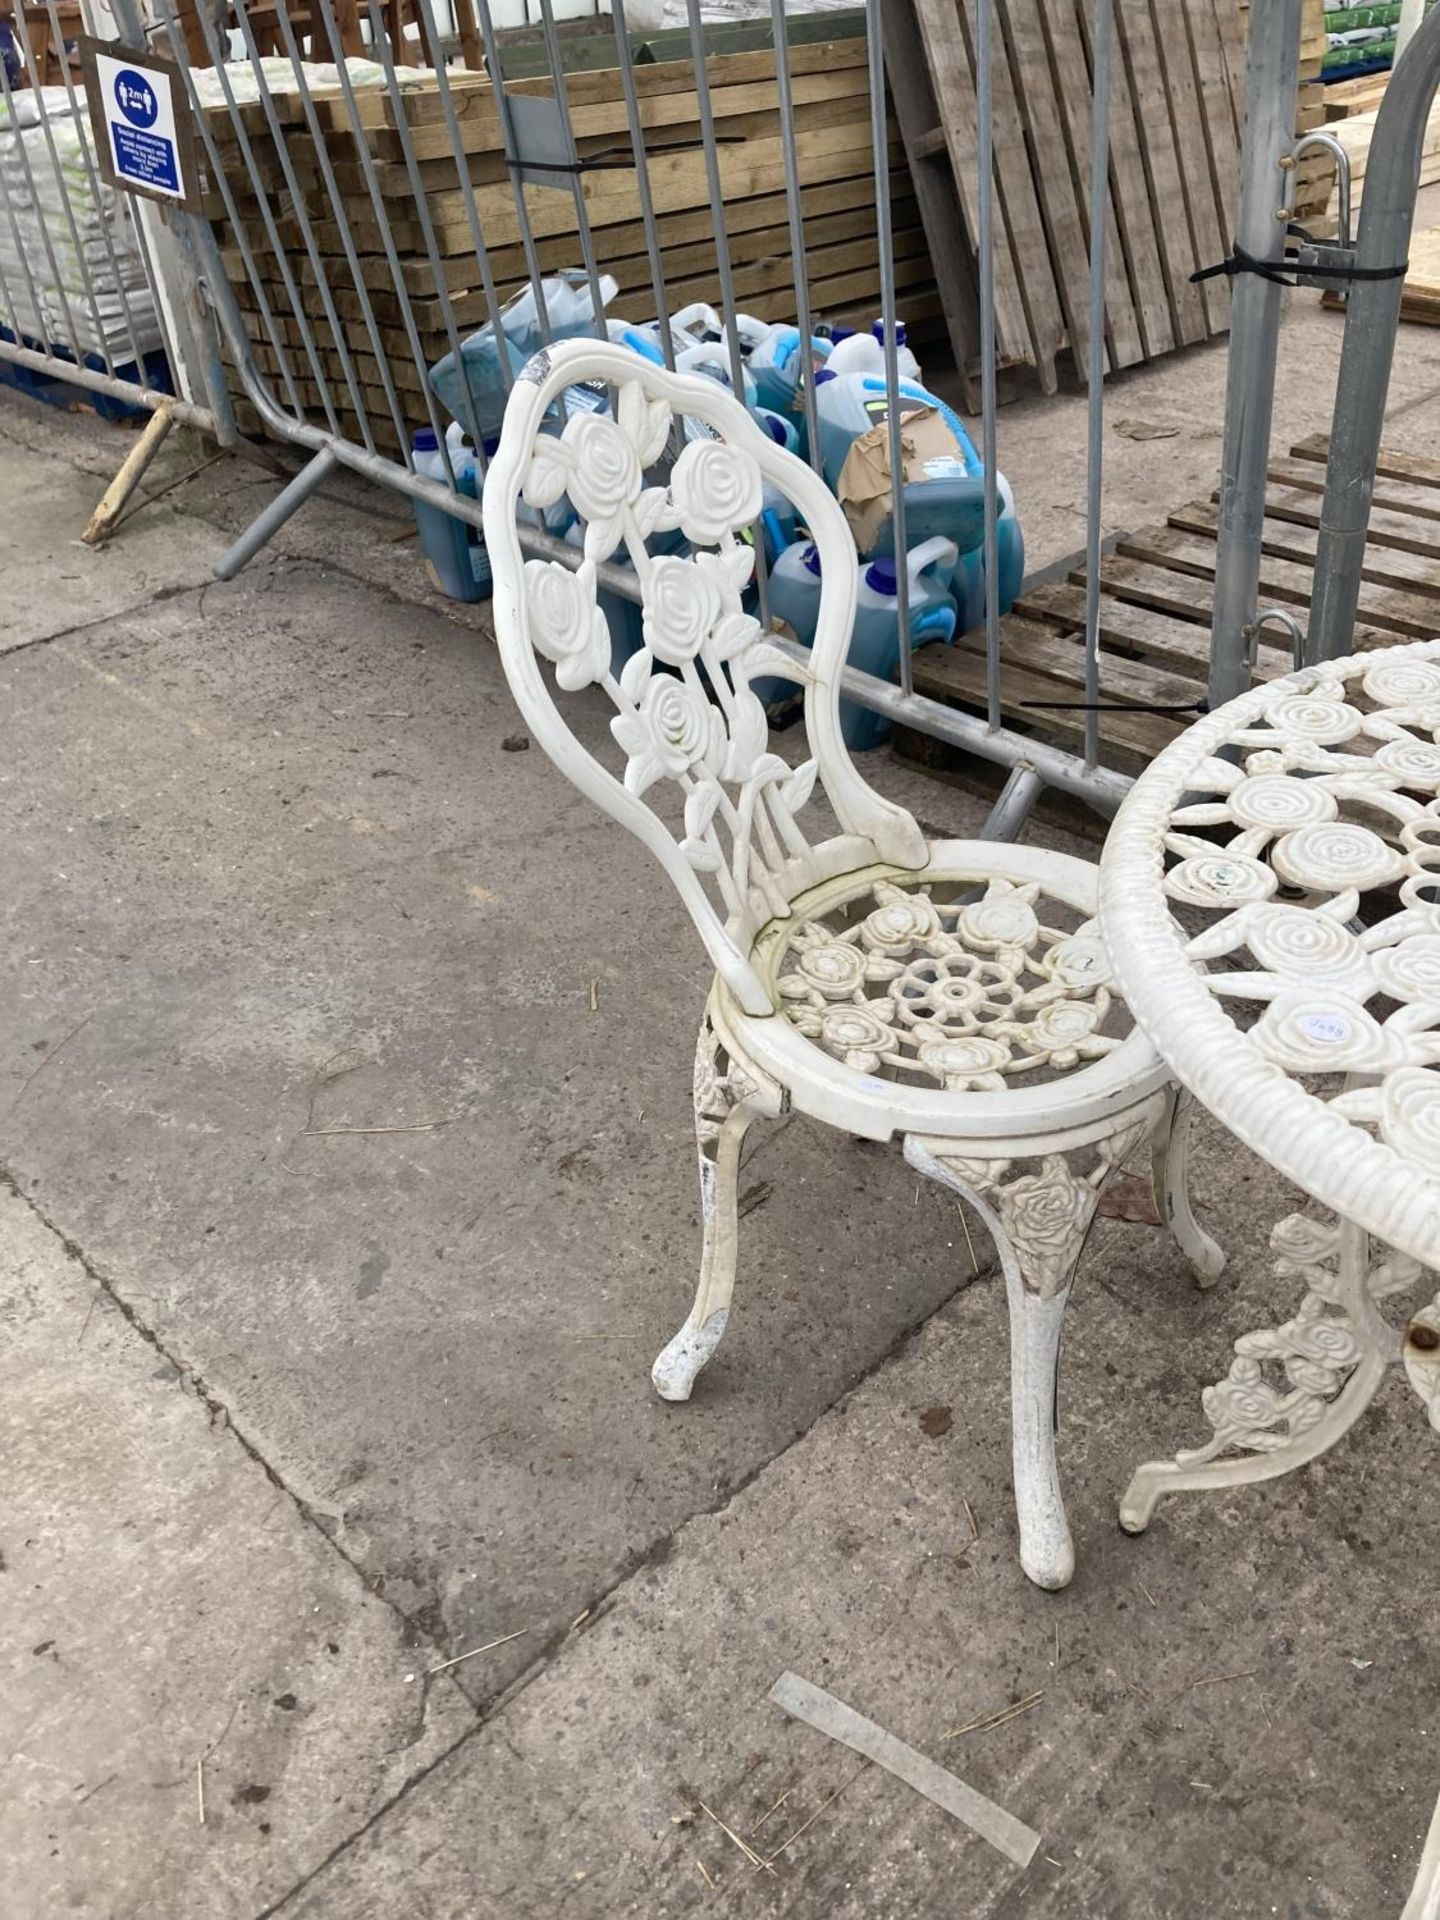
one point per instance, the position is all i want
(934, 552)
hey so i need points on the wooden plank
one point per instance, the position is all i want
(1394, 497)
(1406, 529)
(934, 185)
(1062, 208)
(1286, 581)
(1221, 142)
(1181, 646)
(1207, 242)
(1071, 81)
(1232, 53)
(1287, 538)
(947, 57)
(1416, 468)
(1060, 656)
(1135, 38)
(1133, 216)
(956, 675)
(1015, 195)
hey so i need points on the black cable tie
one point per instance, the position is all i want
(1242, 262)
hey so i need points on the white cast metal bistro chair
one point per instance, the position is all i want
(954, 993)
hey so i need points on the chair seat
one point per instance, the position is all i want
(971, 999)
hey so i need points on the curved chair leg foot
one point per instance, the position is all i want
(1046, 1551)
(1039, 1220)
(1170, 1171)
(728, 1098)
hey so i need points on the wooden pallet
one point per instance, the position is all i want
(1155, 608)
(1174, 171)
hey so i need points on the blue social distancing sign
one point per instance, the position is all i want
(140, 121)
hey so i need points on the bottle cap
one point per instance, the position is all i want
(880, 575)
(825, 373)
(775, 427)
(811, 559)
(425, 441)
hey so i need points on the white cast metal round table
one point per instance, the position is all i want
(1270, 898)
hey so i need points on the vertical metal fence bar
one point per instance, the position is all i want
(92, 180)
(482, 253)
(382, 217)
(23, 155)
(1372, 317)
(642, 182)
(427, 229)
(496, 70)
(795, 212)
(302, 218)
(1095, 368)
(219, 178)
(722, 254)
(880, 146)
(338, 208)
(97, 319)
(986, 221)
(1272, 64)
(582, 216)
(297, 305)
(21, 254)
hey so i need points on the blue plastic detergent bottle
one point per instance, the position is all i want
(569, 310)
(968, 586)
(780, 365)
(875, 641)
(777, 510)
(849, 404)
(455, 556)
(794, 594)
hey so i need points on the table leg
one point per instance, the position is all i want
(1293, 1390)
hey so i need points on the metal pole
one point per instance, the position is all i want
(880, 148)
(1272, 65)
(1013, 805)
(1372, 315)
(269, 521)
(985, 118)
(1095, 369)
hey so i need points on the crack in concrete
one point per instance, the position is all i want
(102, 620)
(654, 1554)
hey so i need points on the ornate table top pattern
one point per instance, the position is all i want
(1270, 898)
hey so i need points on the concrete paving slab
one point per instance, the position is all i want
(50, 582)
(162, 1599)
(1237, 1713)
(270, 869)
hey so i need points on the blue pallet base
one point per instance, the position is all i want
(153, 372)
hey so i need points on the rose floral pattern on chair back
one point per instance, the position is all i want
(686, 709)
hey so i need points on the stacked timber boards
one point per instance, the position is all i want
(291, 225)
(1155, 606)
(1176, 111)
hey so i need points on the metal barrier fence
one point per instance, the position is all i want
(348, 242)
(92, 292)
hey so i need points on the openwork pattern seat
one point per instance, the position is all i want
(953, 993)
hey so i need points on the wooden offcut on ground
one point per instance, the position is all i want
(1155, 605)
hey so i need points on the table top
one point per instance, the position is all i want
(1270, 898)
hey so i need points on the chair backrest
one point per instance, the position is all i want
(686, 708)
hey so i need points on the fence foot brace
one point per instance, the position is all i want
(268, 523)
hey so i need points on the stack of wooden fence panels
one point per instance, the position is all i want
(303, 266)
(1174, 175)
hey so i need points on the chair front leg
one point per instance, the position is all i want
(1170, 1172)
(1039, 1221)
(729, 1098)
